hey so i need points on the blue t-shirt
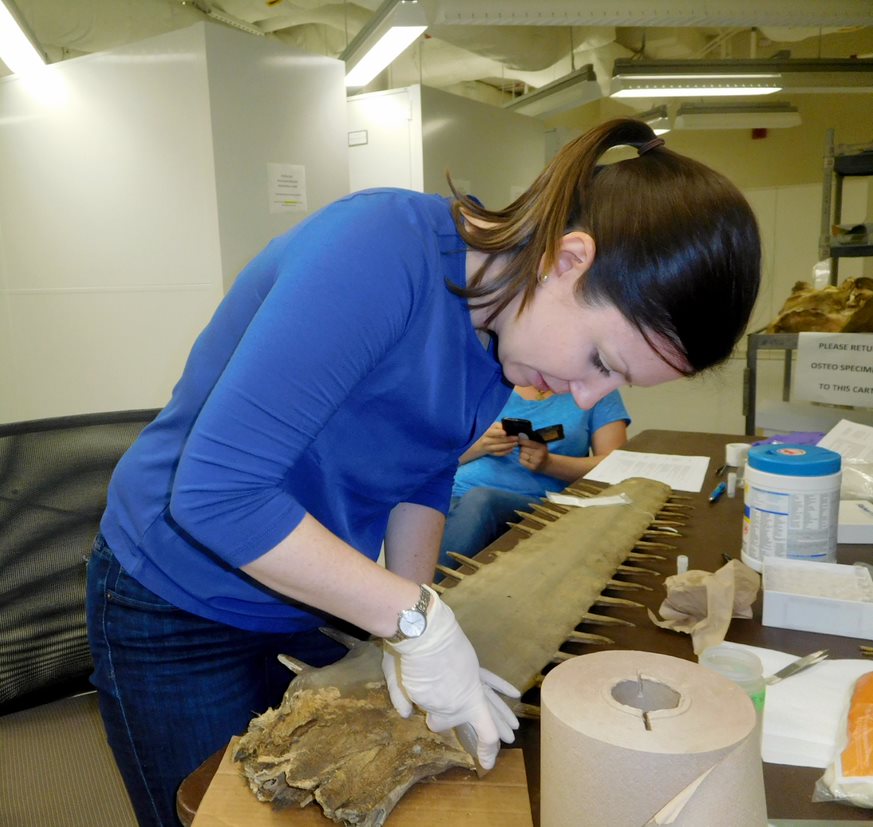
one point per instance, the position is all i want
(338, 377)
(509, 474)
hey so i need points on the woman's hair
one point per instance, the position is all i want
(678, 251)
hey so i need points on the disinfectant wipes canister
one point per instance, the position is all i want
(792, 501)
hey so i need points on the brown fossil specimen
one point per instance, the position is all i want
(847, 308)
(337, 740)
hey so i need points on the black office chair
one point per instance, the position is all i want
(55, 765)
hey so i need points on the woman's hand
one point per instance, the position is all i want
(440, 673)
(494, 442)
(534, 456)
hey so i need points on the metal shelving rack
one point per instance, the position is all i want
(841, 162)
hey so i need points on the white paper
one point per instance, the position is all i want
(680, 473)
(587, 502)
(803, 714)
(286, 187)
(836, 368)
(850, 440)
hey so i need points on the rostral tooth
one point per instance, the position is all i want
(467, 561)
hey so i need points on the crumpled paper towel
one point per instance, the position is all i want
(702, 603)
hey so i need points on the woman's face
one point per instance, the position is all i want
(565, 346)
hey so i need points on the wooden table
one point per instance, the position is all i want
(713, 530)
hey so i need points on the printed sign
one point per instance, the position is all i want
(287, 187)
(836, 368)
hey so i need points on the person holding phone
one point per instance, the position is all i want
(322, 412)
(500, 473)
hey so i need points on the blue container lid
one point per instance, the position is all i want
(795, 460)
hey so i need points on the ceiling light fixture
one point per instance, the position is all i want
(575, 89)
(701, 78)
(19, 49)
(657, 118)
(690, 78)
(775, 115)
(394, 26)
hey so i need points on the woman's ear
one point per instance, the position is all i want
(575, 254)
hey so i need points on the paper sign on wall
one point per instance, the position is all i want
(287, 187)
(836, 368)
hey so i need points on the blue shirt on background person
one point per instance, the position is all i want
(496, 479)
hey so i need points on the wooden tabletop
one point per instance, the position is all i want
(713, 529)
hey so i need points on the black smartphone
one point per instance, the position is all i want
(515, 427)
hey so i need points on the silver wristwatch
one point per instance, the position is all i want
(412, 622)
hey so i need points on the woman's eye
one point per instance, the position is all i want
(598, 363)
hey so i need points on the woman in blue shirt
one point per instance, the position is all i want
(501, 474)
(323, 410)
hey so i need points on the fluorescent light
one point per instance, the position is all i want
(18, 48)
(657, 118)
(775, 115)
(689, 78)
(575, 89)
(691, 85)
(395, 25)
(702, 78)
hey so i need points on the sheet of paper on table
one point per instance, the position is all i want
(680, 473)
(803, 714)
(851, 440)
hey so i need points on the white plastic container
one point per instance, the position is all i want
(828, 598)
(792, 501)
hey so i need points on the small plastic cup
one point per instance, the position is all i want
(741, 667)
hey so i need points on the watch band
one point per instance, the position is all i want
(403, 617)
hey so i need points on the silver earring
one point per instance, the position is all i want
(542, 278)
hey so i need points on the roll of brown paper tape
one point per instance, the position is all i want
(635, 738)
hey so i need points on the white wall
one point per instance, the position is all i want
(110, 255)
(384, 139)
(129, 202)
(497, 154)
(270, 103)
(409, 137)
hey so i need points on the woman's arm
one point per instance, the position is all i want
(412, 541)
(314, 566)
(494, 441)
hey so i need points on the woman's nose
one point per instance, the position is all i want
(586, 394)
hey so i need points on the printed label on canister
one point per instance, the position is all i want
(792, 500)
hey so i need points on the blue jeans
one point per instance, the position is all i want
(478, 518)
(173, 687)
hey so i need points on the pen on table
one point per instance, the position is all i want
(717, 492)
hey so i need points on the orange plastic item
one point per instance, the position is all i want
(857, 757)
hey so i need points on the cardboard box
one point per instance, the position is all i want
(818, 597)
(457, 798)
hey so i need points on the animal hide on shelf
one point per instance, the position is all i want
(336, 739)
(847, 308)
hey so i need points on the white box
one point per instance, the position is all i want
(856, 522)
(818, 597)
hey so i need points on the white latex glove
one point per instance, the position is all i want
(440, 673)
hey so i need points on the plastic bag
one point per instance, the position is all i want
(857, 480)
(849, 778)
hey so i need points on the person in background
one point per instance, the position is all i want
(323, 409)
(502, 474)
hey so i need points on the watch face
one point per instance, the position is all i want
(412, 623)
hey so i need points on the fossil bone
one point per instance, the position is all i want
(336, 739)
